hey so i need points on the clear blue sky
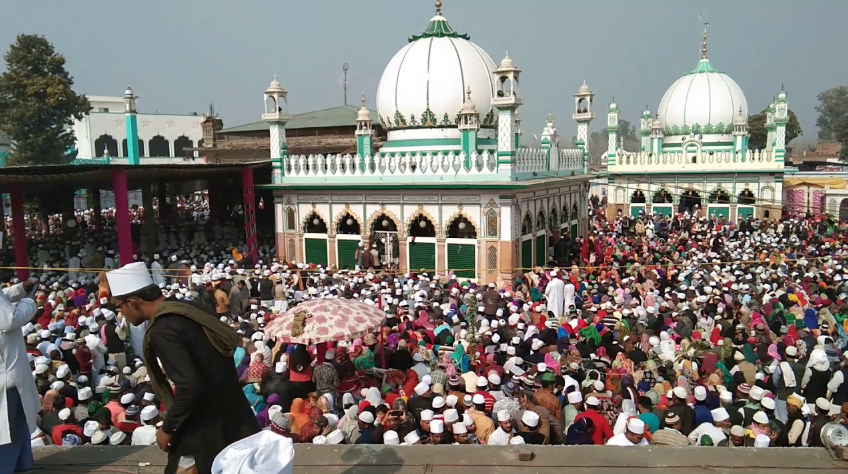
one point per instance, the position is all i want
(180, 55)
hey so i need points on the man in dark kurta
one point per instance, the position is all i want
(208, 410)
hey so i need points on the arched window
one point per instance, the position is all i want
(159, 146)
(291, 220)
(663, 196)
(746, 197)
(638, 197)
(565, 214)
(462, 228)
(719, 196)
(540, 221)
(180, 144)
(690, 201)
(140, 147)
(422, 227)
(492, 259)
(348, 225)
(492, 224)
(315, 224)
(575, 214)
(527, 225)
(553, 220)
(103, 143)
(384, 223)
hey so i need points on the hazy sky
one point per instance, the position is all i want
(180, 55)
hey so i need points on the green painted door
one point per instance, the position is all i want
(526, 255)
(635, 210)
(541, 250)
(744, 212)
(316, 251)
(719, 211)
(573, 231)
(346, 253)
(462, 260)
(422, 256)
(661, 210)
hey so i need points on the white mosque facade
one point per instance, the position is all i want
(694, 154)
(452, 188)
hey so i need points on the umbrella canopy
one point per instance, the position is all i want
(325, 320)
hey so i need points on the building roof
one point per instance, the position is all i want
(342, 116)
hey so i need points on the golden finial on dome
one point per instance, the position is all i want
(438, 7)
(468, 94)
(363, 98)
(702, 17)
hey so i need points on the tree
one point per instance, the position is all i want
(758, 135)
(840, 132)
(38, 104)
(833, 106)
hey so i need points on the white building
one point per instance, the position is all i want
(694, 154)
(104, 130)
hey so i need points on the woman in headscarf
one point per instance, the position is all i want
(373, 396)
(325, 403)
(816, 376)
(628, 389)
(256, 370)
(256, 401)
(363, 358)
(298, 415)
(580, 433)
(460, 359)
(311, 429)
(349, 424)
(263, 417)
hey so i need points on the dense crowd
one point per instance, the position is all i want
(666, 331)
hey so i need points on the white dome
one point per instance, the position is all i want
(703, 97)
(433, 72)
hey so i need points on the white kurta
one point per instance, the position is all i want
(157, 273)
(569, 295)
(555, 295)
(14, 365)
(136, 336)
(98, 352)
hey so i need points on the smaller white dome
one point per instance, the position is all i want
(584, 89)
(782, 95)
(613, 105)
(129, 92)
(275, 86)
(468, 106)
(507, 62)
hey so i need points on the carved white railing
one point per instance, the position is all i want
(379, 165)
(531, 159)
(571, 159)
(757, 159)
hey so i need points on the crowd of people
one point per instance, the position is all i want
(712, 334)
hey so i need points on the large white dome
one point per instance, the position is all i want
(705, 98)
(424, 84)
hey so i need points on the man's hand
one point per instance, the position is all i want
(163, 440)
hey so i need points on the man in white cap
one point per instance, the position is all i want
(19, 403)
(716, 432)
(682, 410)
(555, 296)
(670, 435)
(196, 351)
(145, 435)
(530, 429)
(787, 377)
(634, 435)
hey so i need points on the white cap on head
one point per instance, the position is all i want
(421, 389)
(335, 437)
(98, 437)
(149, 396)
(680, 392)
(575, 397)
(427, 415)
(366, 417)
(64, 414)
(451, 415)
(700, 393)
(149, 412)
(762, 441)
(127, 398)
(117, 438)
(530, 418)
(459, 428)
(791, 351)
(503, 416)
(129, 278)
(823, 404)
(720, 414)
(437, 427)
(320, 439)
(438, 402)
(636, 426)
(84, 394)
(768, 403)
(593, 401)
(756, 393)
(761, 418)
(411, 438)
(63, 371)
(391, 437)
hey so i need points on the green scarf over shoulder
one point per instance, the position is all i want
(222, 337)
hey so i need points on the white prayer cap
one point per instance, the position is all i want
(451, 415)
(320, 439)
(411, 438)
(63, 371)
(427, 380)
(451, 400)
(720, 414)
(768, 403)
(391, 438)
(41, 368)
(762, 441)
(737, 430)
(149, 396)
(482, 382)
(90, 428)
(700, 393)
(127, 398)
(530, 418)
(438, 402)
(437, 427)
(823, 404)
(335, 437)
(149, 412)
(262, 453)
(427, 415)
(366, 417)
(98, 437)
(117, 438)
(503, 416)
(636, 426)
(494, 379)
(756, 393)
(459, 428)
(129, 278)
(517, 441)
(593, 401)
(726, 396)
(680, 392)
(421, 389)
(791, 351)
(761, 418)
(84, 394)
(575, 397)
(280, 367)
(64, 414)
(57, 385)
(478, 399)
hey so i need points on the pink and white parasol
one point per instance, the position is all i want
(327, 320)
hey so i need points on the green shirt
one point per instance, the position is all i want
(651, 421)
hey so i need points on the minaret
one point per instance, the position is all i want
(131, 121)
(518, 131)
(770, 128)
(583, 115)
(277, 115)
(506, 101)
(645, 130)
(469, 124)
(549, 140)
(656, 139)
(781, 119)
(740, 136)
(364, 133)
(612, 130)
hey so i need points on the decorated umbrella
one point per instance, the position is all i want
(325, 320)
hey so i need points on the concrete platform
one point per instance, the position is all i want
(310, 459)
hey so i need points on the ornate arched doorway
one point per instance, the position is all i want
(690, 201)
(461, 246)
(315, 240)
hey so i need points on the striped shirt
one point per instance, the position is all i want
(669, 437)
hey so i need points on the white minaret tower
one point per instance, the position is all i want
(612, 130)
(645, 130)
(656, 140)
(364, 134)
(583, 115)
(277, 115)
(506, 101)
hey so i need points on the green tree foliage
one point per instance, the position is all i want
(833, 106)
(840, 131)
(758, 135)
(38, 104)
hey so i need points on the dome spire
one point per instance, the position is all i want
(702, 17)
(438, 8)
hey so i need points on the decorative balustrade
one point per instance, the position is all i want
(706, 160)
(424, 167)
